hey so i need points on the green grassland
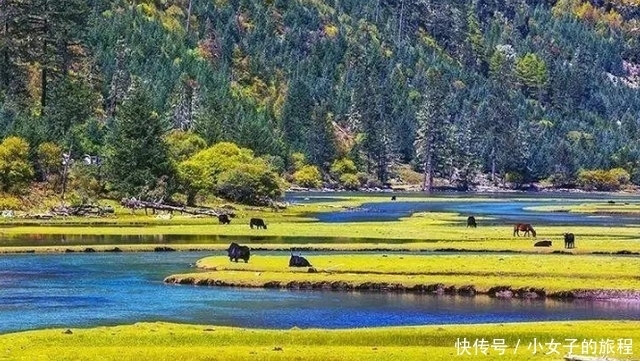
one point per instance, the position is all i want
(163, 341)
(553, 273)
(422, 231)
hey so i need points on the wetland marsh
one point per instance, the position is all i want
(83, 288)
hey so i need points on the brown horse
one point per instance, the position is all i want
(526, 228)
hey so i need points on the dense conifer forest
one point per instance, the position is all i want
(233, 98)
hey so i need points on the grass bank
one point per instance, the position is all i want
(163, 341)
(528, 276)
(294, 228)
(422, 232)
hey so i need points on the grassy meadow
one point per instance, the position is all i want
(553, 273)
(165, 341)
(422, 231)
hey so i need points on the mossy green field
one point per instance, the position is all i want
(162, 341)
(295, 226)
(423, 231)
(553, 273)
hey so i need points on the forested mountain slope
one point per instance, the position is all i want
(531, 89)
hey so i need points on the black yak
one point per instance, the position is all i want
(545, 243)
(471, 222)
(298, 261)
(224, 219)
(569, 240)
(258, 223)
(237, 251)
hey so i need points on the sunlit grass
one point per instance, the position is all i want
(552, 273)
(486, 264)
(422, 231)
(162, 341)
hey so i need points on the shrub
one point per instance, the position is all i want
(622, 176)
(275, 162)
(603, 180)
(15, 170)
(350, 182)
(182, 145)
(200, 172)
(84, 183)
(409, 176)
(297, 161)
(514, 177)
(343, 166)
(49, 159)
(561, 179)
(308, 176)
(253, 183)
(8, 202)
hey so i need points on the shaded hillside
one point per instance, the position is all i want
(525, 89)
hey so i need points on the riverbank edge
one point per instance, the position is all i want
(275, 247)
(439, 289)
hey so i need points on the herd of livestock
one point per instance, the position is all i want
(236, 251)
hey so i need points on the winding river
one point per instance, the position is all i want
(84, 290)
(500, 210)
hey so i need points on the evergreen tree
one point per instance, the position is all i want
(137, 158)
(434, 125)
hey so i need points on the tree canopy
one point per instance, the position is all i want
(534, 89)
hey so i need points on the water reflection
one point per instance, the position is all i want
(497, 212)
(84, 239)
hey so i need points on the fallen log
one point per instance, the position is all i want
(82, 210)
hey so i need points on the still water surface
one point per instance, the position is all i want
(84, 290)
(506, 210)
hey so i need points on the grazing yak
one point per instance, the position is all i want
(258, 223)
(224, 219)
(569, 240)
(237, 251)
(298, 261)
(393, 198)
(545, 243)
(471, 222)
(526, 228)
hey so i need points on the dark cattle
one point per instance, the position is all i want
(471, 222)
(569, 240)
(224, 219)
(393, 198)
(542, 244)
(258, 223)
(237, 251)
(298, 261)
(526, 228)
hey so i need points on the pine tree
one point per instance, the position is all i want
(137, 158)
(433, 126)
(296, 117)
(185, 104)
(120, 79)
